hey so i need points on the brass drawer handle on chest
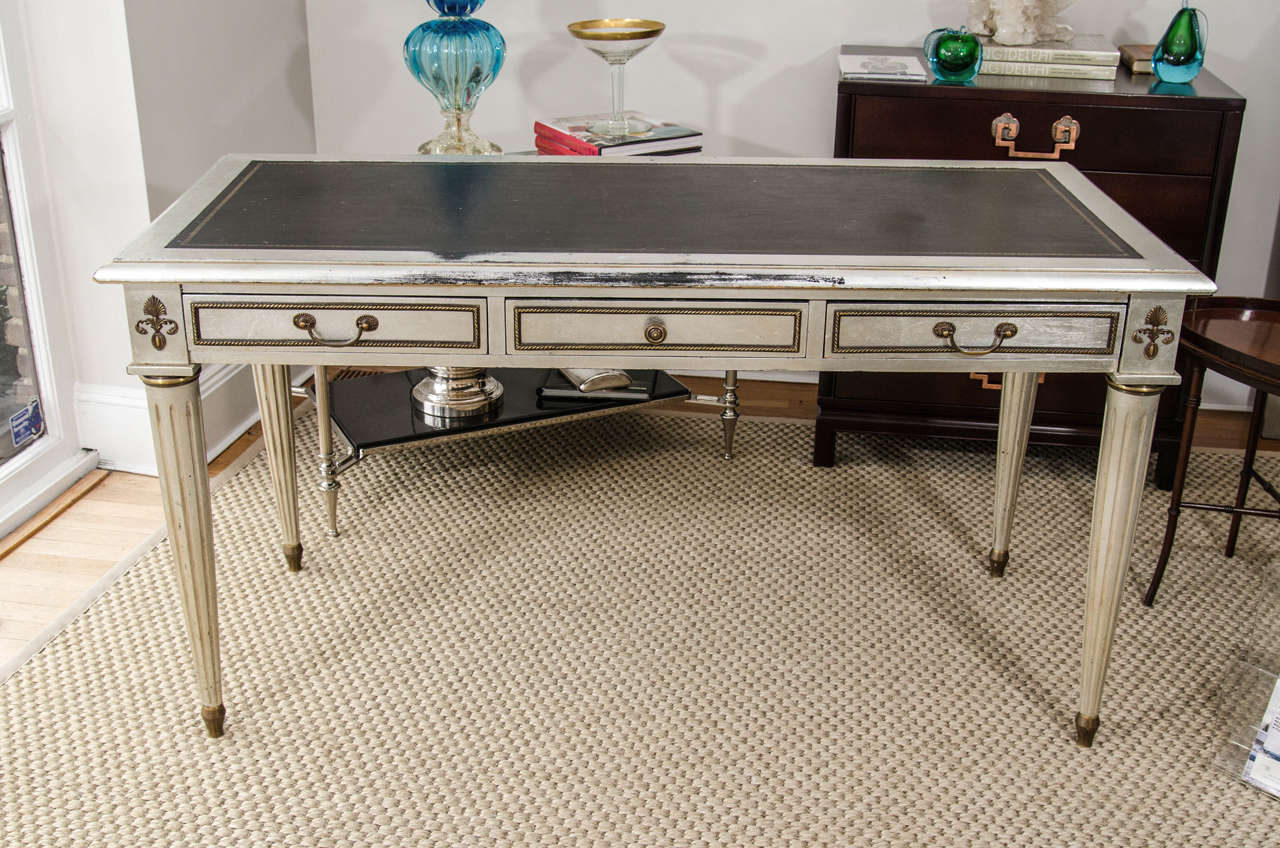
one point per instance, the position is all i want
(1064, 133)
(947, 330)
(307, 321)
(655, 332)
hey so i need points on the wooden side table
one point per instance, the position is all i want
(1167, 158)
(1239, 337)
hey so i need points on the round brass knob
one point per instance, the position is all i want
(655, 332)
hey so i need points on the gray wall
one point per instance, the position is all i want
(228, 76)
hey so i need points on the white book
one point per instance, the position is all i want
(1081, 50)
(905, 67)
(1046, 69)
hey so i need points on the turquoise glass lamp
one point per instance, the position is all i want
(456, 57)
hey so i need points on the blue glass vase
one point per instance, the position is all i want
(456, 57)
(1179, 54)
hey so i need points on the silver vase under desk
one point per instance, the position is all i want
(835, 265)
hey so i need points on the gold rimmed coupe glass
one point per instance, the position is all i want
(616, 40)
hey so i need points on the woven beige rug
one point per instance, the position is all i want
(599, 633)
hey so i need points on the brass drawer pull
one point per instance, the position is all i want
(307, 321)
(1064, 133)
(947, 330)
(655, 332)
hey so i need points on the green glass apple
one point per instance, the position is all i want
(954, 54)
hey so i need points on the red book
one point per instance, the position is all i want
(549, 147)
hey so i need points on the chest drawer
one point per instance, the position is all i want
(376, 322)
(668, 327)
(1111, 138)
(967, 331)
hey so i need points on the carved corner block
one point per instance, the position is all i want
(1149, 343)
(157, 329)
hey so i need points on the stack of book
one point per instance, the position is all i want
(573, 137)
(1137, 57)
(1089, 57)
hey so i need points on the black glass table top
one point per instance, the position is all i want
(376, 411)
(460, 209)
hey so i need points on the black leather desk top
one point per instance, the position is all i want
(466, 208)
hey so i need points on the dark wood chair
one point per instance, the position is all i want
(1238, 337)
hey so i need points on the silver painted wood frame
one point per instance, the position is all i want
(722, 312)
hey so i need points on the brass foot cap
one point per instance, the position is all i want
(213, 720)
(293, 556)
(1086, 729)
(996, 562)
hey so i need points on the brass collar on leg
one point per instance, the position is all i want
(1133, 390)
(170, 382)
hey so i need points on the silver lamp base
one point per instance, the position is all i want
(453, 393)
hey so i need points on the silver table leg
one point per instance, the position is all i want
(177, 426)
(275, 404)
(1127, 427)
(328, 467)
(729, 415)
(1017, 403)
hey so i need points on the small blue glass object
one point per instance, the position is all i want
(954, 55)
(1179, 54)
(456, 57)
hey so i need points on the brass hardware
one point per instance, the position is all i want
(1064, 133)
(985, 380)
(307, 321)
(471, 344)
(214, 717)
(1155, 332)
(155, 322)
(519, 312)
(840, 347)
(996, 562)
(1132, 390)
(170, 382)
(655, 332)
(1086, 729)
(292, 556)
(947, 330)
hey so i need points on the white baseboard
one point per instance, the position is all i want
(113, 419)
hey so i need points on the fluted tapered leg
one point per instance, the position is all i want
(177, 426)
(729, 415)
(1125, 447)
(275, 404)
(1017, 403)
(328, 467)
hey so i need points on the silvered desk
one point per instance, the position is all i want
(851, 265)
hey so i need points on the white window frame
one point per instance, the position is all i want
(44, 470)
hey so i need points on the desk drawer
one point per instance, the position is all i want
(666, 327)
(1112, 138)
(375, 322)
(970, 330)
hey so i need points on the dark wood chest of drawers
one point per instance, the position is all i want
(1166, 154)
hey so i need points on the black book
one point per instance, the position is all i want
(557, 386)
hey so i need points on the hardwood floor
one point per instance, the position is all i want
(49, 563)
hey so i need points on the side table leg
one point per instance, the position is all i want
(275, 404)
(177, 426)
(1017, 403)
(1246, 470)
(729, 415)
(328, 468)
(1195, 385)
(1127, 427)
